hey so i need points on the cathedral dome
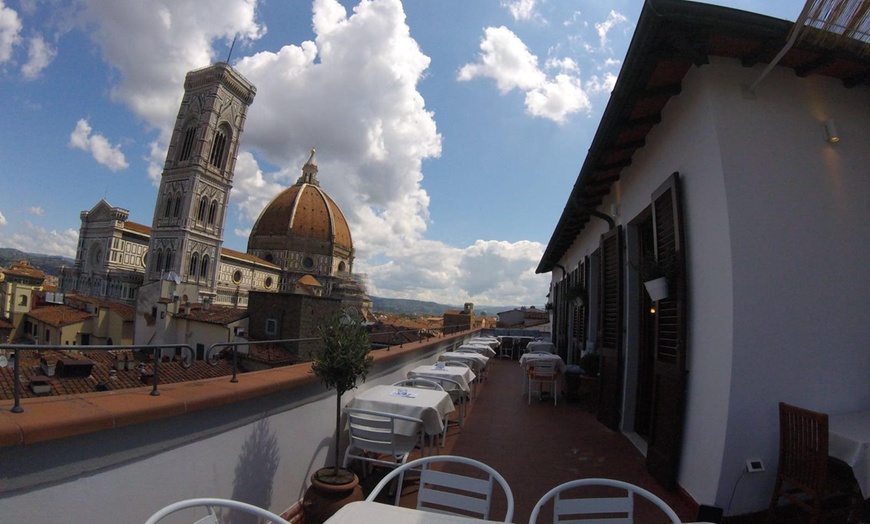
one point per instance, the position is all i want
(302, 219)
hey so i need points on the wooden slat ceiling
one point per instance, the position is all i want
(673, 36)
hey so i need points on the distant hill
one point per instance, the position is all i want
(423, 308)
(49, 264)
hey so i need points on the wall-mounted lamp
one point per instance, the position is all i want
(831, 131)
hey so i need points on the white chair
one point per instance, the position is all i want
(592, 509)
(374, 440)
(414, 381)
(451, 493)
(458, 395)
(210, 504)
(543, 372)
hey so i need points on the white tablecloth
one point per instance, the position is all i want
(464, 376)
(428, 405)
(541, 346)
(527, 358)
(480, 347)
(492, 342)
(849, 441)
(476, 361)
(376, 513)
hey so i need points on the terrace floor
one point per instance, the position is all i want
(538, 446)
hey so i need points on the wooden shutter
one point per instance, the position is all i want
(610, 328)
(669, 374)
(579, 320)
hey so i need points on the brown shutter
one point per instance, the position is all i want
(610, 328)
(669, 380)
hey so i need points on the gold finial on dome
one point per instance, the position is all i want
(311, 158)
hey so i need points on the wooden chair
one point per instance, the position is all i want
(212, 518)
(452, 493)
(806, 475)
(617, 509)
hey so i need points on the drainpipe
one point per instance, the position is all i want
(792, 37)
(607, 218)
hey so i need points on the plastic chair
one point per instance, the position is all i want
(374, 440)
(451, 493)
(543, 372)
(620, 508)
(806, 474)
(210, 504)
(416, 381)
(458, 395)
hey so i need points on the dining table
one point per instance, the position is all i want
(463, 376)
(492, 342)
(475, 361)
(540, 345)
(367, 512)
(849, 441)
(428, 405)
(481, 348)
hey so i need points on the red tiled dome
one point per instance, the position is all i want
(302, 218)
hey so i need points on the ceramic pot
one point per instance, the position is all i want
(323, 499)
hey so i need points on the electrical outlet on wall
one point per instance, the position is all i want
(754, 466)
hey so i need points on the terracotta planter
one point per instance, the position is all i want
(657, 289)
(323, 499)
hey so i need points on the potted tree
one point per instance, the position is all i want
(341, 361)
(655, 274)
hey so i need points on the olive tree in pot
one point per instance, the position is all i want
(341, 361)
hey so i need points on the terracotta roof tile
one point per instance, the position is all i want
(24, 269)
(126, 312)
(103, 373)
(245, 256)
(222, 315)
(57, 315)
(138, 228)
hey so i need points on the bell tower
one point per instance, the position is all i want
(188, 225)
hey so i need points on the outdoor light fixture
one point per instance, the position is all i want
(831, 131)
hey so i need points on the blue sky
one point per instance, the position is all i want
(449, 132)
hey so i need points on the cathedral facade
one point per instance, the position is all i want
(301, 242)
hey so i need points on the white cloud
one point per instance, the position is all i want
(39, 56)
(154, 44)
(34, 239)
(97, 145)
(10, 29)
(2, 220)
(522, 9)
(613, 19)
(36, 211)
(507, 60)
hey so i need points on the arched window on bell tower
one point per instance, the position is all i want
(203, 209)
(167, 261)
(177, 210)
(220, 146)
(168, 209)
(204, 269)
(212, 212)
(187, 144)
(194, 265)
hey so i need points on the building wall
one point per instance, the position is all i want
(295, 316)
(775, 224)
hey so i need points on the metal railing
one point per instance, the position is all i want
(211, 355)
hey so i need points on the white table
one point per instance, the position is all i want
(541, 346)
(363, 512)
(463, 376)
(428, 405)
(849, 441)
(476, 361)
(481, 348)
(492, 342)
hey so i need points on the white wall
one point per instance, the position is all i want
(799, 211)
(290, 432)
